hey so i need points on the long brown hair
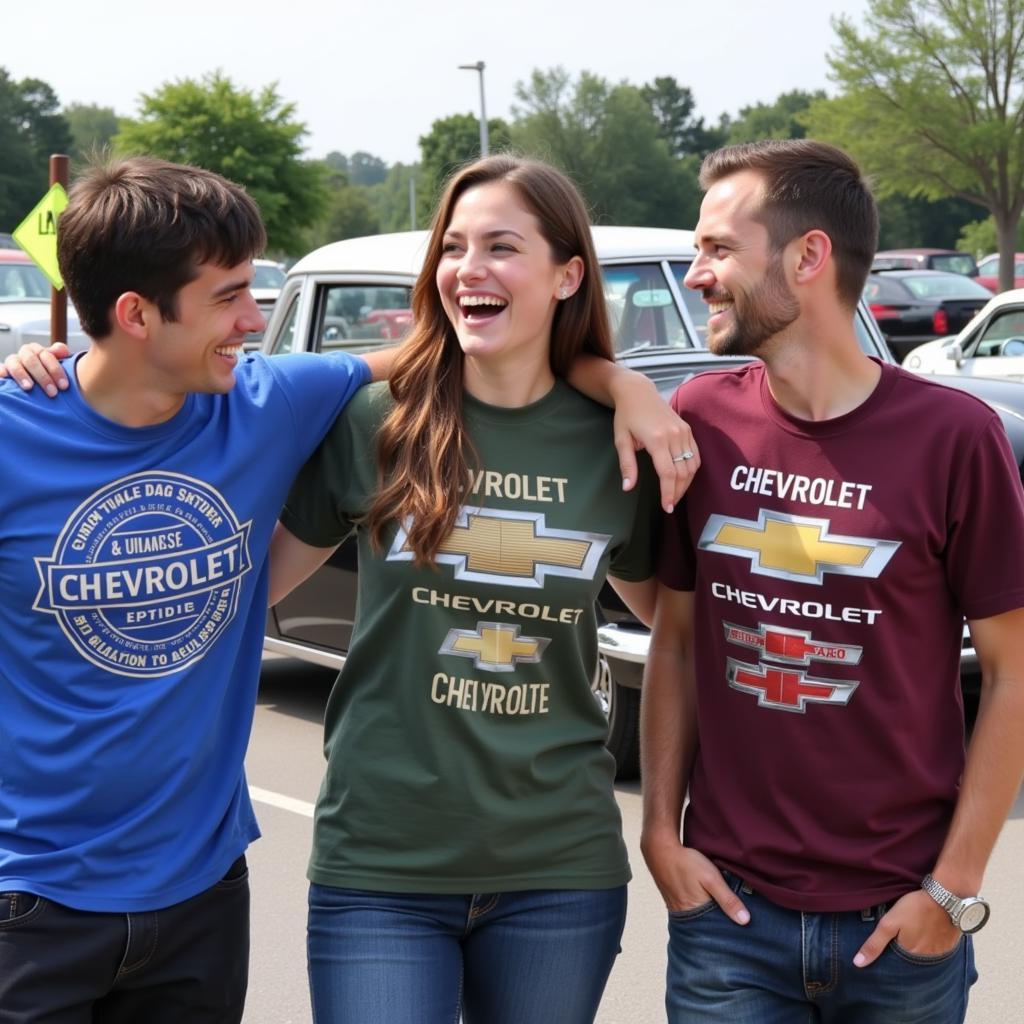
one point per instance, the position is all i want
(423, 452)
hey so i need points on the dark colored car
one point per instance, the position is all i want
(659, 330)
(914, 306)
(949, 260)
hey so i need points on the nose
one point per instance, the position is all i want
(699, 276)
(471, 266)
(250, 318)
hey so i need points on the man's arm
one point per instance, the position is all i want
(380, 361)
(292, 561)
(643, 419)
(668, 745)
(992, 778)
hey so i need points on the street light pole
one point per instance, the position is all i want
(479, 67)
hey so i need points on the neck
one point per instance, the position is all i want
(508, 386)
(819, 371)
(114, 386)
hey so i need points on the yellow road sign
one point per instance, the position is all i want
(37, 233)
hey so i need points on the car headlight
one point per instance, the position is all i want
(913, 362)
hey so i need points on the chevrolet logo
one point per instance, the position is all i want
(495, 646)
(794, 646)
(798, 548)
(787, 689)
(512, 549)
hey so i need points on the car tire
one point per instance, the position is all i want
(621, 706)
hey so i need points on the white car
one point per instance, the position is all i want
(25, 305)
(991, 345)
(268, 276)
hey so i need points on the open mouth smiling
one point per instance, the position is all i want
(476, 308)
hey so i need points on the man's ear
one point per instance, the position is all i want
(813, 254)
(133, 314)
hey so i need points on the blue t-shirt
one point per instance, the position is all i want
(133, 597)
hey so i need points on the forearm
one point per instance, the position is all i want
(291, 561)
(991, 781)
(381, 361)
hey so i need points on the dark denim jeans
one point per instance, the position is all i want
(187, 962)
(788, 967)
(537, 957)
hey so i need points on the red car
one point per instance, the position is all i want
(988, 271)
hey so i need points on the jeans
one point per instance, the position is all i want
(187, 962)
(536, 957)
(786, 967)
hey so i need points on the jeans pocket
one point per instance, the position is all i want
(925, 959)
(236, 875)
(692, 913)
(18, 907)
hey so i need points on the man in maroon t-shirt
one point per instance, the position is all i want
(803, 678)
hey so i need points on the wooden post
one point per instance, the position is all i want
(59, 299)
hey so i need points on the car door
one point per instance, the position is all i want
(996, 347)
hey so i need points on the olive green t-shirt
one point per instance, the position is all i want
(465, 747)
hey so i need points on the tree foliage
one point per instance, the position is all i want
(31, 128)
(673, 107)
(778, 120)
(349, 211)
(92, 130)
(607, 138)
(932, 103)
(251, 138)
(450, 143)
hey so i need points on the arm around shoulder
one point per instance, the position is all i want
(292, 561)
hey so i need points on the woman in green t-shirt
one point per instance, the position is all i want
(468, 855)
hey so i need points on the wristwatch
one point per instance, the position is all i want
(968, 913)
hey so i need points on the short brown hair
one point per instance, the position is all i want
(146, 225)
(809, 185)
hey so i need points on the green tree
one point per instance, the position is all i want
(932, 103)
(251, 138)
(349, 212)
(92, 130)
(673, 107)
(608, 140)
(451, 142)
(390, 199)
(31, 128)
(778, 120)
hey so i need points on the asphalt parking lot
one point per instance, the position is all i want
(284, 767)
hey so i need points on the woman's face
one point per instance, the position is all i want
(497, 280)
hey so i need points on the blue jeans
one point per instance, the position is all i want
(536, 957)
(786, 967)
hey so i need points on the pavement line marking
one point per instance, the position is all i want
(286, 803)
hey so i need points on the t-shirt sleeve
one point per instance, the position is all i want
(634, 560)
(985, 545)
(332, 489)
(318, 388)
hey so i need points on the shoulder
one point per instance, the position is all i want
(929, 402)
(733, 382)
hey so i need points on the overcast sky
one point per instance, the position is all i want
(373, 74)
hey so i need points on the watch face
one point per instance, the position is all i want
(974, 915)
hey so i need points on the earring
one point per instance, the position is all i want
(563, 292)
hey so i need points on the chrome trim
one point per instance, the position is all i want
(303, 652)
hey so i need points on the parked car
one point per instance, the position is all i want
(7, 241)
(268, 276)
(913, 306)
(659, 330)
(25, 305)
(950, 260)
(991, 345)
(988, 271)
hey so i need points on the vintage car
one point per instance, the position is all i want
(327, 303)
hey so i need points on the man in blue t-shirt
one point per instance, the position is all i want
(135, 518)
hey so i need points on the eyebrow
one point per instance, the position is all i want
(497, 232)
(232, 286)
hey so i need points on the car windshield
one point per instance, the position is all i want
(641, 308)
(19, 281)
(948, 286)
(267, 277)
(954, 263)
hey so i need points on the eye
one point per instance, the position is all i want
(449, 247)
(503, 247)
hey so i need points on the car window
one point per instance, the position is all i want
(884, 289)
(267, 277)
(954, 263)
(990, 267)
(23, 281)
(946, 287)
(360, 316)
(695, 304)
(286, 340)
(642, 308)
(1005, 326)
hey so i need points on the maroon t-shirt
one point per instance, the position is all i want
(833, 563)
